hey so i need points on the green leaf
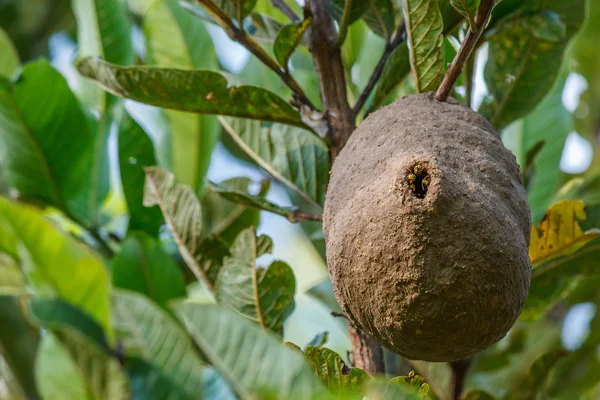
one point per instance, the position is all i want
(10, 58)
(249, 358)
(265, 295)
(18, 344)
(294, 157)
(176, 39)
(415, 382)
(530, 385)
(264, 28)
(103, 31)
(246, 199)
(144, 267)
(199, 91)
(424, 36)
(467, 8)
(357, 9)
(40, 122)
(380, 17)
(11, 277)
(136, 152)
(54, 263)
(383, 390)
(521, 68)
(331, 369)
(148, 382)
(236, 8)
(319, 340)
(477, 395)
(288, 39)
(182, 213)
(149, 333)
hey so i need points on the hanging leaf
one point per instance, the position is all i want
(144, 267)
(10, 58)
(151, 334)
(231, 344)
(521, 68)
(136, 152)
(380, 17)
(199, 91)
(559, 232)
(424, 36)
(266, 295)
(176, 39)
(54, 263)
(259, 203)
(41, 121)
(467, 8)
(294, 157)
(331, 369)
(11, 277)
(288, 39)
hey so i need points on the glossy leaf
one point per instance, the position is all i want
(265, 295)
(559, 232)
(150, 333)
(246, 199)
(231, 343)
(294, 157)
(380, 17)
(288, 39)
(521, 68)
(54, 263)
(424, 30)
(176, 39)
(144, 267)
(10, 58)
(11, 277)
(136, 152)
(333, 372)
(199, 91)
(41, 121)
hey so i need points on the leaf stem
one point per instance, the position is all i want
(239, 35)
(470, 18)
(398, 39)
(483, 16)
(344, 24)
(287, 10)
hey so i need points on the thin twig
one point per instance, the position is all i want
(287, 10)
(459, 373)
(338, 315)
(483, 16)
(299, 215)
(344, 24)
(399, 37)
(239, 35)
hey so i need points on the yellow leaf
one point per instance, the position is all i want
(559, 232)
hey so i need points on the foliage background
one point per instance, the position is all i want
(98, 151)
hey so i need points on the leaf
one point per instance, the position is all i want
(10, 58)
(147, 382)
(319, 340)
(559, 232)
(55, 265)
(150, 334)
(176, 39)
(383, 390)
(424, 36)
(331, 369)
(528, 386)
(379, 16)
(181, 210)
(249, 358)
(136, 152)
(11, 277)
(467, 8)
(236, 8)
(264, 28)
(204, 92)
(248, 200)
(357, 9)
(521, 67)
(41, 121)
(266, 295)
(416, 383)
(19, 344)
(144, 267)
(288, 39)
(294, 157)
(477, 395)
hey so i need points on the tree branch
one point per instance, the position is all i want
(399, 37)
(367, 353)
(459, 373)
(483, 16)
(240, 36)
(300, 215)
(344, 24)
(287, 10)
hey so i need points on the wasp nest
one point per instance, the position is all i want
(427, 229)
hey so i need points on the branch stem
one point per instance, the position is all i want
(366, 352)
(300, 215)
(459, 373)
(399, 37)
(464, 53)
(287, 10)
(239, 35)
